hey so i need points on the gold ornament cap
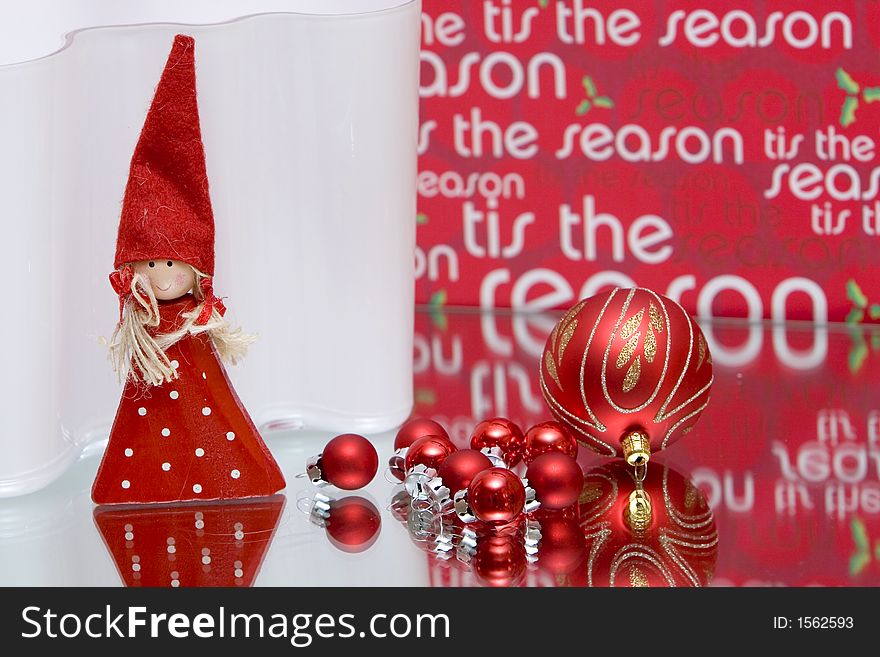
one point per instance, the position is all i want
(636, 447)
(638, 513)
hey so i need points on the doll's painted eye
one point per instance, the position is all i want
(170, 264)
(152, 264)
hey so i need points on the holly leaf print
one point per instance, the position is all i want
(589, 87)
(848, 111)
(870, 94)
(874, 311)
(854, 293)
(845, 82)
(421, 219)
(603, 101)
(583, 108)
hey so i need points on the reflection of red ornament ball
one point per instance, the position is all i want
(502, 433)
(562, 545)
(557, 479)
(418, 427)
(548, 437)
(461, 467)
(429, 451)
(496, 495)
(625, 360)
(349, 461)
(499, 560)
(354, 523)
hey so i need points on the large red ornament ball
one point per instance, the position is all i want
(460, 467)
(626, 362)
(548, 437)
(418, 427)
(349, 461)
(354, 523)
(501, 433)
(429, 451)
(557, 479)
(500, 560)
(496, 495)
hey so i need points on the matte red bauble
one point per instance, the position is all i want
(661, 533)
(548, 437)
(418, 427)
(628, 372)
(429, 451)
(460, 467)
(496, 495)
(557, 479)
(502, 438)
(353, 524)
(348, 461)
(499, 561)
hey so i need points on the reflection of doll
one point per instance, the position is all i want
(180, 432)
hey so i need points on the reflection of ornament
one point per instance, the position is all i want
(557, 479)
(348, 461)
(500, 439)
(658, 532)
(410, 432)
(494, 496)
(218, 544)
(627, 372)
(352, 522)
(562, 547)
(499, 560)
(548, 437)
(423, 459)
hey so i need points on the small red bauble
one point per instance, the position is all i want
(419, 427)
(496, 495)
(548, 437)
(499, 561)
(562, 546)
(348, 461)
(628, 372)
(461, 467)
(353, 524)
(429, 451)
(501, 437)
(557, 479)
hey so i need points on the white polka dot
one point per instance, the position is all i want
(206, 410)
(135, 559)
(129, 536)
(129, 451)
(204, 376)
(237, 526)
(135, 567)
(174, 364)
(142, 411)
(230, 435)
(128, 527)
(206, 560)
(239, 535)
(200, 452)
(206, 551)
(199, 515)
(126, 483)
(197, 488)
(171, 549)
(166, 466)
(175, 583)
(239, 572)
(237, 563)
(235, 474)
(170, 540)
(174, 394)
(200, 524)
(166, 432)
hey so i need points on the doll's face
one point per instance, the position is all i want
(170, 279)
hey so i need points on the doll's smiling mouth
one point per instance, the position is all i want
(162, 289)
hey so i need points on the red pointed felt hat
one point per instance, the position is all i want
(166, 212)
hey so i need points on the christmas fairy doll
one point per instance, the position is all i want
(180, 433)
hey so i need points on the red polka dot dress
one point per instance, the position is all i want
(190, 439)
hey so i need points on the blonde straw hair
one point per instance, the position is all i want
(137, 353)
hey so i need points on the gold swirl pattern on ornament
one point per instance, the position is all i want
(632, 375)
(551, 368)
(551, 399)
(662, 415)
(590, 493)
(639, 551)
(637, 579)
(604, 379)
(584, 360)
(698, 520)
(654, 316)
(631, 325)
(701, 346)
(650, 346)
(608, 502)
(553, 337)
(601, 538)
(567, 334)
(695, 396)
(591, 441)
(628, 349)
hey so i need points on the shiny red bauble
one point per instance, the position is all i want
(353, 524)
(416, 428)
(502, 434)
(459, 468)
(349, 461)
(496, 495)
(548, 437)
(626, 361)
(500, 560)
(429, 451)
(562, 547)
(557, 479)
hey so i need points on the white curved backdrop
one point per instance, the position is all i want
(309, 123)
